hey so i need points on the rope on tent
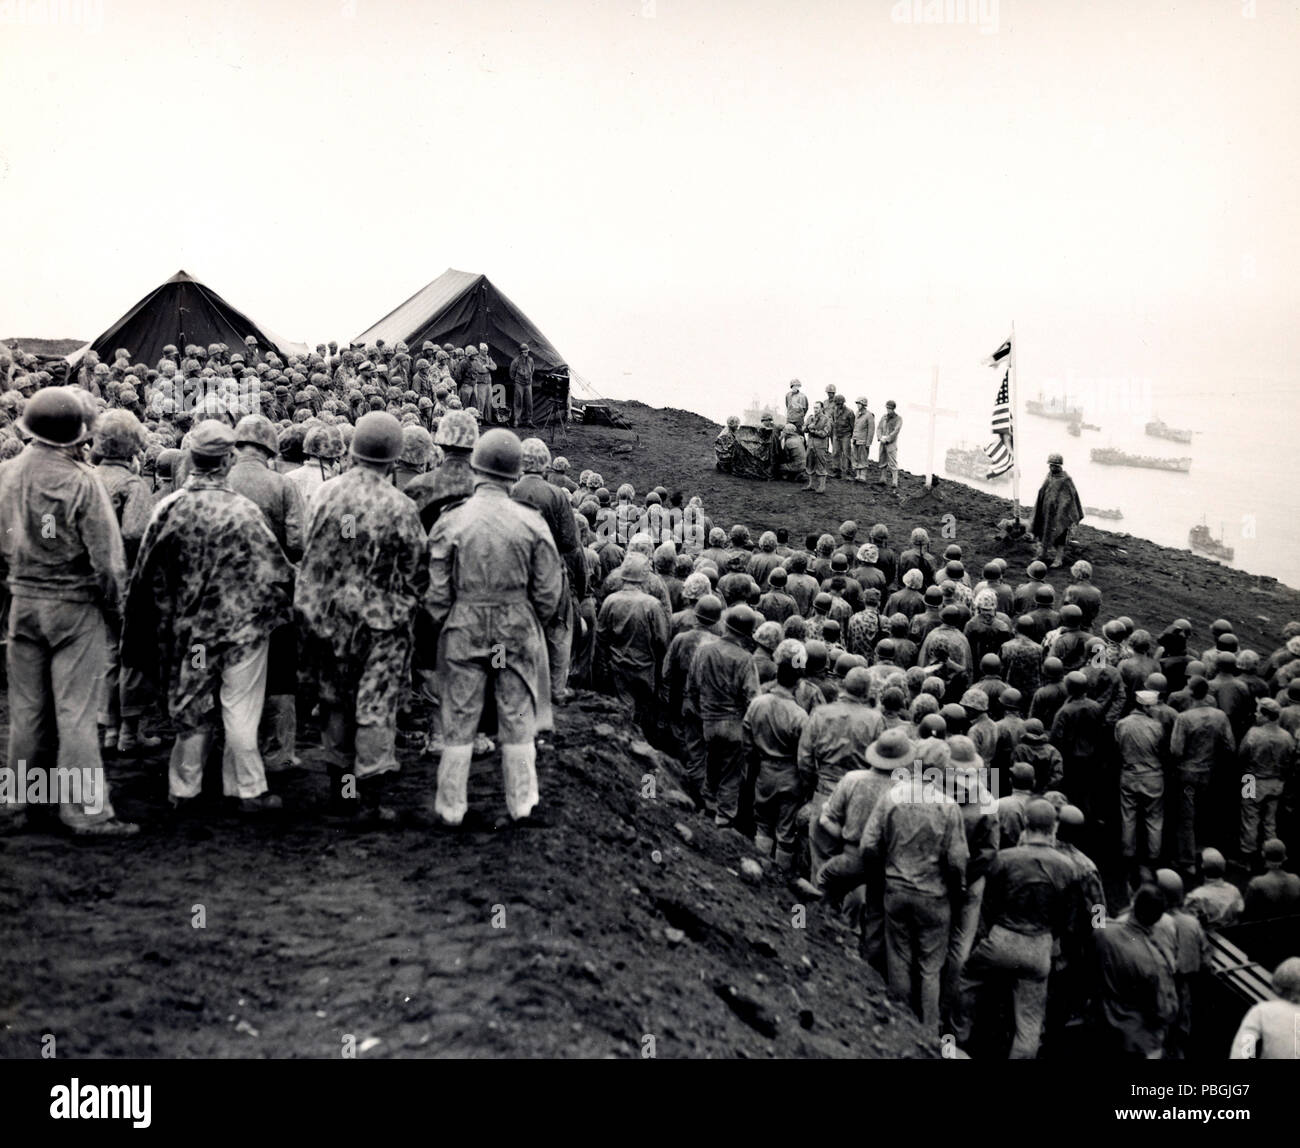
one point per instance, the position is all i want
(586, 384)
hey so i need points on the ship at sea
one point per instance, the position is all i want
(1202, 541)
(1110, 456)
(1054, 409)
(969, 462)
(1158, 429)
(1099, 512)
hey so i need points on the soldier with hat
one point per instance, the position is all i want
(533, 490)
(118, 443)
(253, 475)
(843, 421)
(915, 833)
(323, 446)
(1057, 510)
(887, 432)
(632, 640)
(361, 580)
(796, 406)
(819, 428)
(1267, 757)
(864, 433)
(63, 583)
(783, 777)
(210, 586)
(521, 377)
(452, 482)
(723, 680)
(494, 582)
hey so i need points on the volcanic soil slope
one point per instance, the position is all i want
(622, 927)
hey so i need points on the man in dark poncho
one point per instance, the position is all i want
(1057, 510)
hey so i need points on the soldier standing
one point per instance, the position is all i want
(818, 427)
(494, 582)
(844, 421)
(796, 405)
(533, 490)
(888, 432)
(209, 587)
(864, 430)
(361, 579)
(64, 583)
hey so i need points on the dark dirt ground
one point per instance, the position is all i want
(315, 933)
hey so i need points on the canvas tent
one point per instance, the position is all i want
(461, 307)
(182, 311)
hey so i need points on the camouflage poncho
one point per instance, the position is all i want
(210, 582)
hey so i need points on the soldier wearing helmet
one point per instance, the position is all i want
(323, 447)
(559, 475)
(253, 475)
(720, 685)
(358, 589)
(211, 578)
(533, 490)
(495, 580)
(631, 639)
(438, 490)
(117, 447)
(416, 456)
(66, 573)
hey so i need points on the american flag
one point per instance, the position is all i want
(1000, 450)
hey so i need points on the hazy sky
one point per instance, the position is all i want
(694, 200)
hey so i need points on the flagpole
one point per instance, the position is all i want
(1013, 399)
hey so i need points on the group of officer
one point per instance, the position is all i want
(828, 441)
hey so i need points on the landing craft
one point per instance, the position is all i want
(1110, 456)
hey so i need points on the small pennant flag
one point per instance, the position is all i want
(1000, 355)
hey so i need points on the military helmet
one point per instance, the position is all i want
(118, 434)
(498, 453)
(54, 416)
(458, 430)
(377, 438)
(165, 464)
(417, 446)
(257, 430)
(323, 441)
(535, 456)
(210, 439)
(560, 464)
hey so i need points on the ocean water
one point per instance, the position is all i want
(1242, 482)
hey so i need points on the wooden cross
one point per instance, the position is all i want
(934, 410)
